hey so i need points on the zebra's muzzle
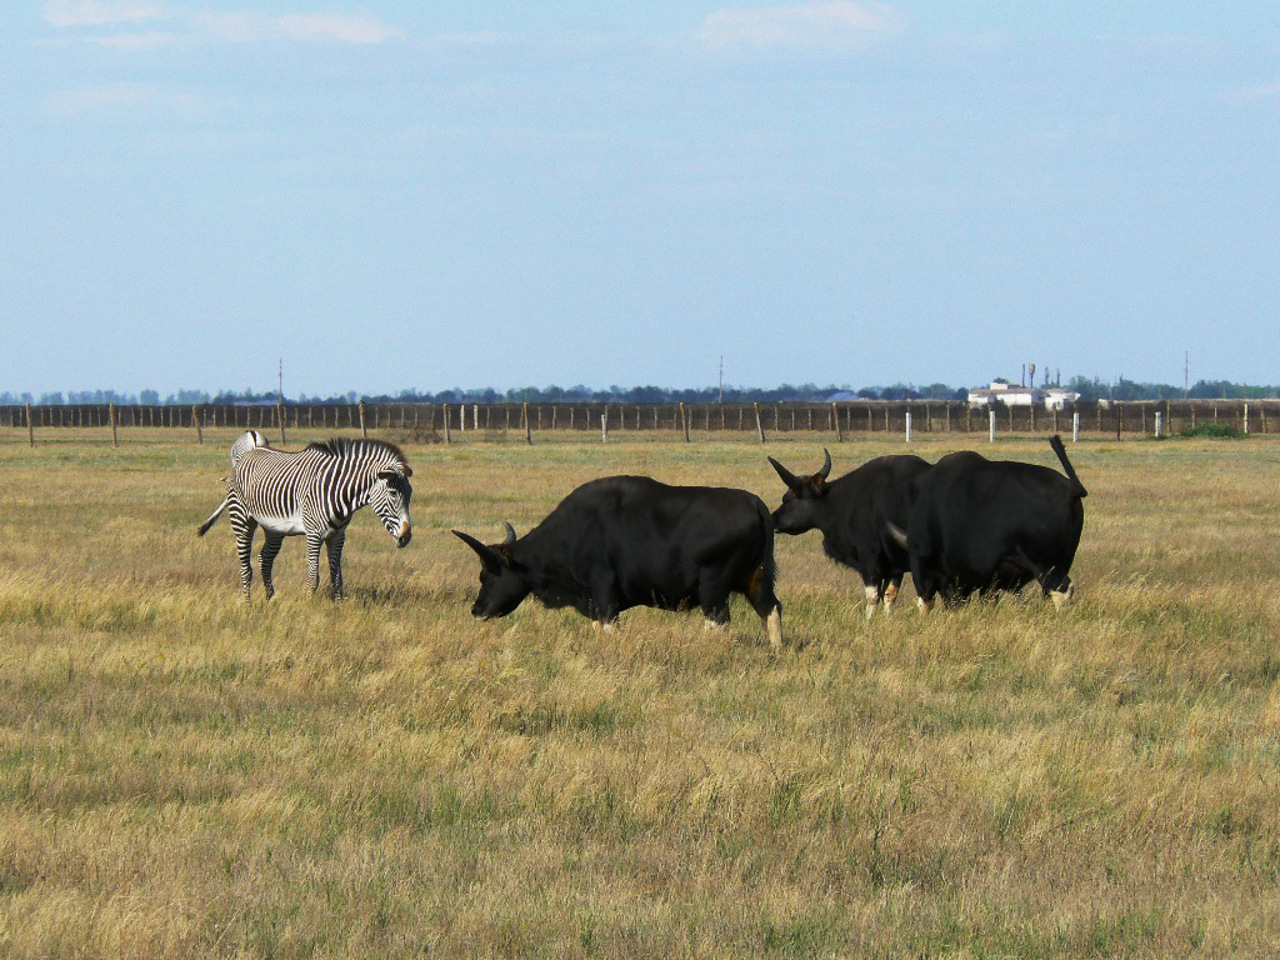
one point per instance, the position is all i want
(404, 536)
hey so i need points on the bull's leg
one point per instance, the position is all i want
(713, 597)
(924, 582)
(267, 558)
(1057, 586)
(244, 528)
(872, 593)
(604, 599)
(765, 603)
(891, 592)
(334, 545)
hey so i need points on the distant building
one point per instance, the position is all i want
(1057, 398)
(1014, 395)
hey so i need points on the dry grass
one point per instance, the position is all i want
(182, 776)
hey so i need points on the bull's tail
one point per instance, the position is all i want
(766, 600)
(768, 566)
(213, 517)
(1061, 451)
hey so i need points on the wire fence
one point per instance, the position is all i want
(468, 422)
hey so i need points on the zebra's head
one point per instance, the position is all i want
(389, 496)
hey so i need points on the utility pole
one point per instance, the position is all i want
(721, 378)
(280, 382)
(1186, 375)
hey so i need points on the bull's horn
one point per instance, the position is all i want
(898, 534)
(826, 464)
(510, 538)
(789, 478)
(490, 557)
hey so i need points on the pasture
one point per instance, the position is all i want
(185, 776)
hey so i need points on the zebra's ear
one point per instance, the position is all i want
(392, 475)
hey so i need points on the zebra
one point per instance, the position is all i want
(313, 493)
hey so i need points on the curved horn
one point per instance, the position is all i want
(826, 464)
(491, 559)
(510, 538)
(789, 478)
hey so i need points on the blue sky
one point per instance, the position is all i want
(396, 196)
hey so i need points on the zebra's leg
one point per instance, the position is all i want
(313, 561)
(334, 544)
(270, 547)
(244, 527)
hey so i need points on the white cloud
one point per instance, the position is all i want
(98, 13)
(142, 41)
(309, 27)
(818, 23)
(1262, 91)
(195, 24)
(122, 98)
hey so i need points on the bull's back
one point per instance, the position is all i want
(657, 535)
(979, 510)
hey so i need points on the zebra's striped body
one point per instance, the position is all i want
(311, 493)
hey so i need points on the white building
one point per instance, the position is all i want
(1057, 398)
(1014, 395)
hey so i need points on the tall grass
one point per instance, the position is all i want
(182, 775)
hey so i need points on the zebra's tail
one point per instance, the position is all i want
(213, 517)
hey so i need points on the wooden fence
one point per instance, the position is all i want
(453, 421)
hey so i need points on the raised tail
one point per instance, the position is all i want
(213, 517)
(1056, 442)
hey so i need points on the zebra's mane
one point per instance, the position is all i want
(347, 447)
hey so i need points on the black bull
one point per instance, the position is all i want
(856, 515)
(981, 526)
(621, 542)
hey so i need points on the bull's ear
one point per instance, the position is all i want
(490, 557)
(789, 478)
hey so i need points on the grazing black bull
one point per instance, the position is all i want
(621, 542)
(856, 514)
(980, 526)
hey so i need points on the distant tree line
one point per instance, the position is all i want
(1090, 390)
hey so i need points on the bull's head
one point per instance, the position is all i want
(503, 581)
(389, 497)
(801, 504)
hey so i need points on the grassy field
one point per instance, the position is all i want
(182, 775)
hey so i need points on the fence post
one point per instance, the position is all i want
(1246, 419)
(1159, 425)
(364, 431)
(835, 416)
(604, 426)
(759, 423)
(31, 428)
(991, 425)
(195, 418)
(1119, 420)
(111, 412)
(279, 421)
(448, 435)
(684, 419)
(1075, 427)
(908, 426)
(528, 427)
